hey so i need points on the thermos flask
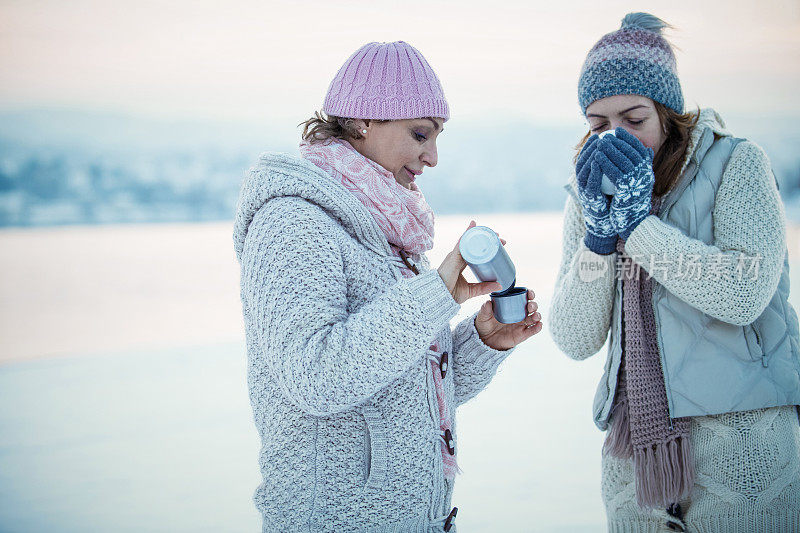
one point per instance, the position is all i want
(487, 258)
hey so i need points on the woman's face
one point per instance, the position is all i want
(634, 113)
(403, 147)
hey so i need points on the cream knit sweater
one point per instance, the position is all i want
(748, 463)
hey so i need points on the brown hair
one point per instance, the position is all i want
(668, 162)
(321, 127)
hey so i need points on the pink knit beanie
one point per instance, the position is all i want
(386, 81)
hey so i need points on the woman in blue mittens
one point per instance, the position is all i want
(675, 242)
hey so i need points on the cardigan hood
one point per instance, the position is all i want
(278, 175)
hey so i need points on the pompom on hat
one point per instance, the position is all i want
(386, 81)
(635, 59)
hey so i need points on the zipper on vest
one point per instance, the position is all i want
(764, 361)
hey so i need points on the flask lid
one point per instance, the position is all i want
(479, 245)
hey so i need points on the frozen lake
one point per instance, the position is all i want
(122, 371)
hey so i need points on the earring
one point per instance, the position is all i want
(364, 132)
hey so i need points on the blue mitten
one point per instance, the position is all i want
(587, 152)
(629, 164)
(601, 237)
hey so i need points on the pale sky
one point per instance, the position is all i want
(274, 60)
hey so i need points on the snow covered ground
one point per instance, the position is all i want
(122, 371)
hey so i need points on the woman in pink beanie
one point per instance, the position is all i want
(353, 369)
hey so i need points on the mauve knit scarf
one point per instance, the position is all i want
(640, 423)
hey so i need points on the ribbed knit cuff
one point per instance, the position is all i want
(714, 521)
(438, 305)
(473, 351)
(626, 233)
(648, 238)
(589, 266)
(746, 521)
(636, 525)
(600, 245)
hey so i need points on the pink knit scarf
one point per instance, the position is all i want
(402, 214)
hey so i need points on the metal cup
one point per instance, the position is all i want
(511, 306)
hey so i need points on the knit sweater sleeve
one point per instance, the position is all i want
(580, 312)
(474, 363)
(324, 358)
(734, 278)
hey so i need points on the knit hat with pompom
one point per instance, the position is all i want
(635, 59)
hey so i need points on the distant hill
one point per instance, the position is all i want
(73, 167)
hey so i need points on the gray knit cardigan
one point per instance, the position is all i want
(338, 344)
